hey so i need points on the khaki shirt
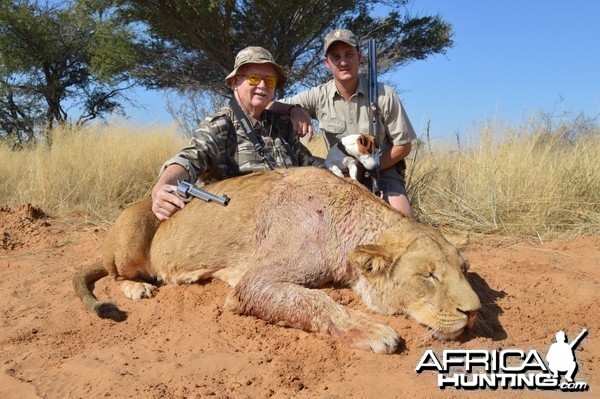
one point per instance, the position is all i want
(338, 118)
(220, 150)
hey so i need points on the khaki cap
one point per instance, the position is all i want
(256, 55)
(340, 35)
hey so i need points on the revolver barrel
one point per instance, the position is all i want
(187, 190)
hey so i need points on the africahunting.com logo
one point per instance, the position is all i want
(508, 368)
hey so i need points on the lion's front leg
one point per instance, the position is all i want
(312, 310)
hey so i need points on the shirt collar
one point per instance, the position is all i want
(362, 88)
(363, 85)
(259, 123)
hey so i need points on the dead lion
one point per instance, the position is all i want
(284, 234)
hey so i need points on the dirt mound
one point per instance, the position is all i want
(183, 344)
(27, 226)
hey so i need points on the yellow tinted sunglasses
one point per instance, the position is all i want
(254, 79)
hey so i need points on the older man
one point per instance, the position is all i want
(240, 138)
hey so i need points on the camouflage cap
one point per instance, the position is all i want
(256, 55)
(340, 35)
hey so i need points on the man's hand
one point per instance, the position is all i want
(301, 122)
(165, 201)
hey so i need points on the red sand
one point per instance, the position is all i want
(181, 344)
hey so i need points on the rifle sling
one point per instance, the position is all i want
(342, 148)
(256, 141)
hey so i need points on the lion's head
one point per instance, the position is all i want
(418, 273)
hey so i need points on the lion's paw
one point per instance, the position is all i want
(137, 289)
(378, 338)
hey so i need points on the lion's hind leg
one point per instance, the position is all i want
(137, 289)
(131, 270)
(312, 310)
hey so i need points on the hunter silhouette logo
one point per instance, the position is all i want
(507, 368)
(561, 357)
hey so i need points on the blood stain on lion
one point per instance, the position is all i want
(284, 234)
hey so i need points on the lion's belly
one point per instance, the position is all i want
(202, 244)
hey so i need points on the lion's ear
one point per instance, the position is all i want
(372, 259)
(459, 239)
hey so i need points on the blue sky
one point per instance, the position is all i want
(511, 59)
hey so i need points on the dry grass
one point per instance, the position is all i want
(97, 170)
(511, 182)
(524, 182)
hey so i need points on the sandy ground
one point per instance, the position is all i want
(182, 344)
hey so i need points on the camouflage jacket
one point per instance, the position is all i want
(221, 149)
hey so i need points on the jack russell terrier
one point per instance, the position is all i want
(348, 152)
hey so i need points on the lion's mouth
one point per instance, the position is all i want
(445, 336)
(471, 319)
(445, 333)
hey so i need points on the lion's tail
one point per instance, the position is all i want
(81, 282)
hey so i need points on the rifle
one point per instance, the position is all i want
(373, 110)
(187, 190)
(575, 342)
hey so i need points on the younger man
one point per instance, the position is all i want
(342, 107)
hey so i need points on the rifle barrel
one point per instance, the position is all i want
(373, 110)
(372, 49)
(582, 334)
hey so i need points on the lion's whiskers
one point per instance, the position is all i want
(427, 336)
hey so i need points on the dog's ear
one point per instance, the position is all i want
(362, 142)
(366, 144)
